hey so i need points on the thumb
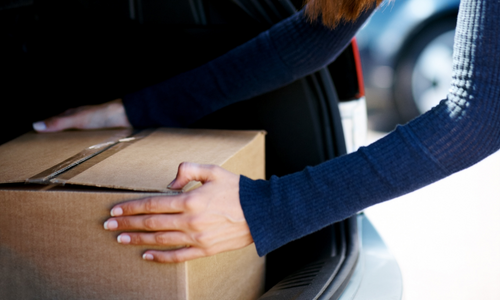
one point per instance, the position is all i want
(188, 172)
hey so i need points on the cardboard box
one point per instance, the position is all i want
(57, 189)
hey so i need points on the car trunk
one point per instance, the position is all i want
(98, 51)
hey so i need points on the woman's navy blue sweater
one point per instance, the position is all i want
(462, 130)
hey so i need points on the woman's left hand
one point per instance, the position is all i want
(208, 220)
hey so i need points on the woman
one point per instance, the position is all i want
(230, 211)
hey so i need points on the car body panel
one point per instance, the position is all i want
(377, 274)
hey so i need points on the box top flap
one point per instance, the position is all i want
(32, 153)
(146, 162)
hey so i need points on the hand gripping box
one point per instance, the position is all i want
(57, 190)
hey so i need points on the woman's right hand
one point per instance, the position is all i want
(107, 115)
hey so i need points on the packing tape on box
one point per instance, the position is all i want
(88, 157)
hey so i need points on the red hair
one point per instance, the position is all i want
(334, 11)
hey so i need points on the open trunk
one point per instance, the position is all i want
(132, 44)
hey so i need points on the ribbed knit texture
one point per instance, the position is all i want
(289, 50)
(462, 130)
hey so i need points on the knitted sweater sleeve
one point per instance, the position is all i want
(287, 51)
(462, 130)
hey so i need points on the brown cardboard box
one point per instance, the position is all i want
(52, 242)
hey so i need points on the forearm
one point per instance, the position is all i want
(462, 130)
(284, 209)
(289, 50)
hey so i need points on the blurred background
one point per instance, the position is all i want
(406, 50)
(445, 237)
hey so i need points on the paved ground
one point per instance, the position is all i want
(446, 237)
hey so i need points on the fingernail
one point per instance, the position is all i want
(147, 256)
(117, 211)
(39, 126)
(170, 184)
(109, 225)
(123, 239)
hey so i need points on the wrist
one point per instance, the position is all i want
(115, 114)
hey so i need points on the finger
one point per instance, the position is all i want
(146, 223)
(174, 256)
(70, 111)
(62, 123)
(106, 115)
(56, 124)
(193, 172)
(152, 205)
(164, 238)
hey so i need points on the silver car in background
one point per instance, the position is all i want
(406, 49)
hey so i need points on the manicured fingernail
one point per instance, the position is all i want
(147, 256)
(39, 126)
(112, 224)
(117, 211)
(123, 239)
(169, 186)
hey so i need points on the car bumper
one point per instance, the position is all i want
(377, 274)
